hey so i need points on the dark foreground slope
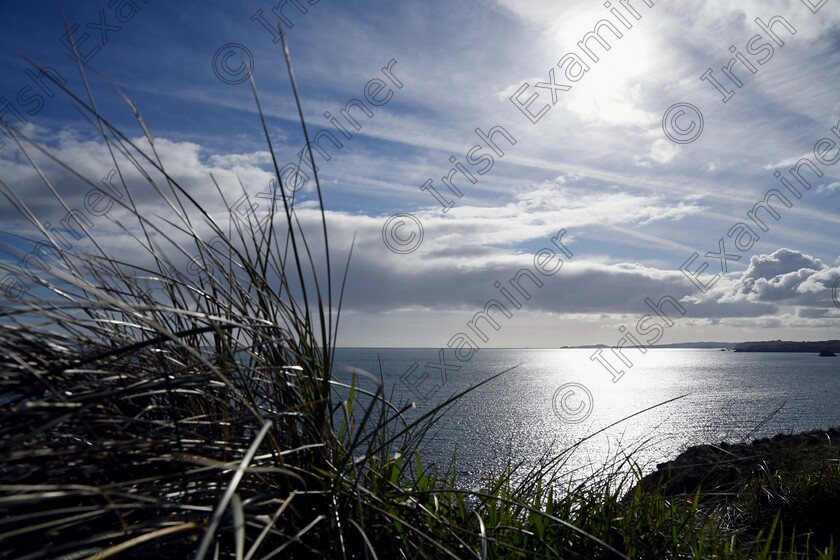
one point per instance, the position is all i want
(746, 485)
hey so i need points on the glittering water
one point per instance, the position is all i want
(729, 396)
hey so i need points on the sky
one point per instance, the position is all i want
(611, 167)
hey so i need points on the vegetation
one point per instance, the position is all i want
(210, 425)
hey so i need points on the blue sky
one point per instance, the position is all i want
(635, 204)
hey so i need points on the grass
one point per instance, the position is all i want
(210, 425)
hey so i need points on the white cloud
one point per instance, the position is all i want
(661, 152)
(786, 278)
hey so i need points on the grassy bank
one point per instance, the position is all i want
(205, 422)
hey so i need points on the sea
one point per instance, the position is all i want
(561, 404)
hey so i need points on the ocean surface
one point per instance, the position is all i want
(532, 411)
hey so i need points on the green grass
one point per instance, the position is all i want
(210, 425)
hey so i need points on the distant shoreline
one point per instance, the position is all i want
(828, 346)
(758, 346)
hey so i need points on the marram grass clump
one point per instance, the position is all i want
(204, 421)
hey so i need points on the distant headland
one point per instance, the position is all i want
(825, 347)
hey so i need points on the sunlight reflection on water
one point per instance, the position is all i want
(728, 396)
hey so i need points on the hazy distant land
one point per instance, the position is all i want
(761, 346)
(672, 345)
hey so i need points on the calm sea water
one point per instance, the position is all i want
(727, 396)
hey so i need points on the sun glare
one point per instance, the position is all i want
(610, 87)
